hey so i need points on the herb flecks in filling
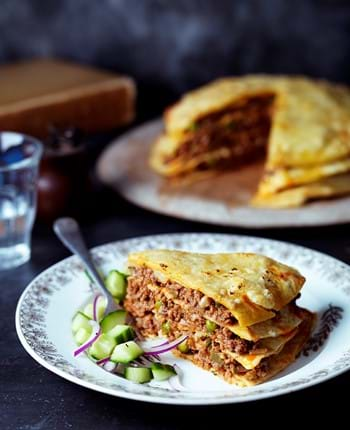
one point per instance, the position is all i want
(186, 311)
(239, 132)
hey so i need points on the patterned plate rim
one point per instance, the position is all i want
(341, 365)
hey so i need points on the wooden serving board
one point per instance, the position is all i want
(222, 199)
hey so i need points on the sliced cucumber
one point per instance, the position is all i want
(112, 319)
(82, 335)
(102, 347)
(140, 375)
(162, 372)
(122, 333)
(80, 320)
(100, 308)
(126, 352)
(116, 284)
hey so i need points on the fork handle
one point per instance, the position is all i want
(68, 231)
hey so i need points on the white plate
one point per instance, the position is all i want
(46, 307)
(221, 200)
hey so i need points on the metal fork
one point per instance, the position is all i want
(68, 231)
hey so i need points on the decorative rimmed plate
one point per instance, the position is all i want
(46, 307)
(221, 200)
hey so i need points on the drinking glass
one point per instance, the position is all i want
(19, 161)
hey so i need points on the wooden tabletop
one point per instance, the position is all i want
(33, 398)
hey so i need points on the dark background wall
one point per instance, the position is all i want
(171, 46)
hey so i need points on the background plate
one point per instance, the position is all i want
(222, 200)
(46, 308)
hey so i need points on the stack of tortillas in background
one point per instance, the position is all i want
(308, 145)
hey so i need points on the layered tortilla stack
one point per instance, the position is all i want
(300, 126)
(238, 310)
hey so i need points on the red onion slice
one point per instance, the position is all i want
(103, 361)
(165, 348)
(94, 306)
(161, 344)
(96, 331)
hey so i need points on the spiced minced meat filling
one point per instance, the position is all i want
(242, 129)
(170, 309)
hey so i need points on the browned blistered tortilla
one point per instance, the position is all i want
(253, 287)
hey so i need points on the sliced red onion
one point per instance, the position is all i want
(106, 364)
(169, 346)
(94, 306)
(96, 331)
(103, 361)
(161, 344)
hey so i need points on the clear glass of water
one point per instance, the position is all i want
(19, 161)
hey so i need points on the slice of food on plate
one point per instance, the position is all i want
(238, 310)
(291, 197)
(300, 126)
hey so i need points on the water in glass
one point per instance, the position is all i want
(19, 158)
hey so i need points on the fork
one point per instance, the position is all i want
(68, 231)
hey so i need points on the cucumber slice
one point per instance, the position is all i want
(116, 284)
(140, 375)
(162, 372)
(82, 335)
(100, 309)
(126, 352)
(80, 320)
(102, 347)
(122, 333)
(112, 319)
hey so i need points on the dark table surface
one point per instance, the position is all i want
(33, 398)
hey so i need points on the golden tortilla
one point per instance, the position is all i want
(309, 138)
(264, 348)
(282, 178)
(274, 363)
(253, 287)
(180, 165)
(294, 197)
(310, 125)
(284, 322)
